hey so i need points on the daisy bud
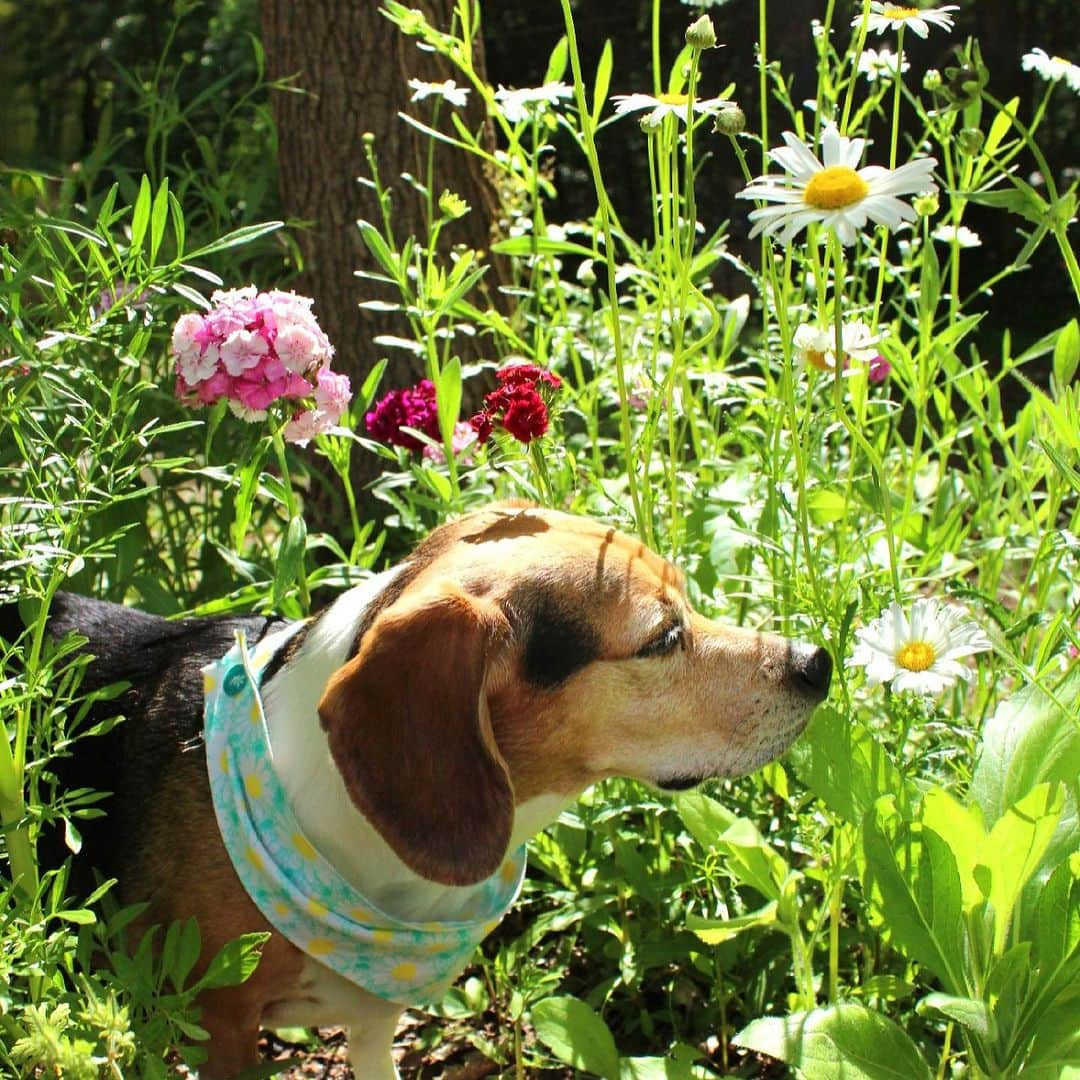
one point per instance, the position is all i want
(970, 140)
(730, 121)
(932, 80)
(925, 205)
(700, 34)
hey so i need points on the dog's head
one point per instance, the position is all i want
(524, 652)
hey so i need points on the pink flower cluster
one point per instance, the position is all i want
(516, 403)
(414, 407)
(255, 350)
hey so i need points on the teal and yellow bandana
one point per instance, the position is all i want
(295, 888)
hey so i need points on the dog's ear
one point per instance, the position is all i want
(409, 730)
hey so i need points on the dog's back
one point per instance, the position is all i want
(158, 662)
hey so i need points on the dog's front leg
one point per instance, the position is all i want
(371, 1038)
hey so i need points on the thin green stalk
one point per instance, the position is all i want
(291, 509)
(604, 208)
(857, 435)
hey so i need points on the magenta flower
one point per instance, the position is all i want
(258, 349)
(878, 369)
(412, 407)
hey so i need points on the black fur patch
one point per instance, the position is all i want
(559, 640)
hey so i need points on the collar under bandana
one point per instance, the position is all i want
(295, 888)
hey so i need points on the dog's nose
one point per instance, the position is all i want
(811, 670)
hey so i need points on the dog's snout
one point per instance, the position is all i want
(810, 670)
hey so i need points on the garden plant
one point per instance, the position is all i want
(838, 451)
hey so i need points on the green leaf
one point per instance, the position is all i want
(235, 963)
(974, 1015)
(140, 217)
(1000, 127)
(660, 1068)
(847, 1041)
(557, 61)
(158, 216)
(749, 857)
(602, 82)
(379, 249)
(842, 763)
(717, 931)
(1033, 737)
(244, 235)
(448, 397)
(576, 1035)
(290, 559)
(911, 878)
(1066, 354)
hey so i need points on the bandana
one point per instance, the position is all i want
(296, 889)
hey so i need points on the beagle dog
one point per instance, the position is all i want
(416, 733)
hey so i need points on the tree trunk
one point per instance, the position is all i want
(350, 67)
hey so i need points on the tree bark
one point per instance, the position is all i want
(350, 66)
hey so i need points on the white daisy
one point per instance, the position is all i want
(1052, 68)
(815, 346)
(881, 64)
(964, 237)
(447, 90)
(921, 652)
(892, 17)
(661, 105)
(520, 104)
(835, 192)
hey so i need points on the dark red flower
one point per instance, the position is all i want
(410, 407)
(526, 417)
(482, 424)
(529, 374)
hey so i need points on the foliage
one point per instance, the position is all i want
(900, 896)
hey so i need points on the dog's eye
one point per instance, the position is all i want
(664, 643)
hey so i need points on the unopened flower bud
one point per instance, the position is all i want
(931, 81)
(925, 205)
(970, 140)
(700, 34)
(586, 273)
(730, 121)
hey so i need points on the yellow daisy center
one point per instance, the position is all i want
(673, 99)
(817, 359)
(835, 187)
(899, 12)
(916, 655)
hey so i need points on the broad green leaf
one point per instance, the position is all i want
(379, 248)
(911, 878)
(845, 766)
(235, 962)
(1015, 848)
(1055, 926)
(717, 931)
(749, 857)
(974, 1015)
(660, 1068)
(1055, 1052)
(826, 506)
(1031, 738)
(576, 1035)
(847, 1041)
(961, 827)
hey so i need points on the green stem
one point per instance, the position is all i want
(291, 511)
(644, 525)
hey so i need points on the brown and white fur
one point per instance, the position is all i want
(424, 724)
